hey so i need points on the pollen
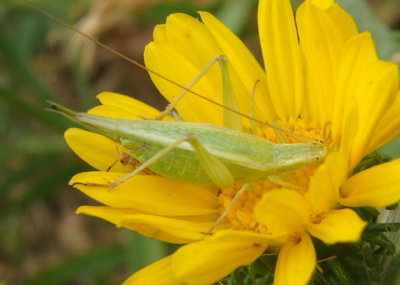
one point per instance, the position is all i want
(241, 215)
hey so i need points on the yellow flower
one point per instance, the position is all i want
(315, 214)
(323, 80)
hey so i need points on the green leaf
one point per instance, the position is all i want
(386, 41)
(32, 111)
(50, 179)
(235, 14)
(88, 264)
(142, 251)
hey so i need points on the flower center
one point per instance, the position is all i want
(241, 215)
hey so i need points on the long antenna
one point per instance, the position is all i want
(125, 57)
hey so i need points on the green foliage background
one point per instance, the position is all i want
(42, 241)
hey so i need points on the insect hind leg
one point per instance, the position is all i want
(214, 168)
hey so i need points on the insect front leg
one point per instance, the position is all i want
(172, 105)
(283, 180)
(232, 120)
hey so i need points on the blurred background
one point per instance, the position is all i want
(42, 241)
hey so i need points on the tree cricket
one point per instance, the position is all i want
(200, 153)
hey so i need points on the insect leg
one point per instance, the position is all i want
(244, 188)
(231, 120)
(140, 168)
(277, 127)
(172, 105)
(253, 127)
(112, 165)
(214, 168)
(282, 180)
(115, 162)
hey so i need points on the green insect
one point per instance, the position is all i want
(201, 153)
(197, 152)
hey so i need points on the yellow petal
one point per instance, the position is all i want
(282, 211)
(160, 33)
(378, 85)
(173, 230)
(208, 261)
(148, 193)
(375, 187)
(348, 131)
(282, 58)
(112, 215)
(245, 66)
(324, 187)
(388, 127)
(356, 55)
(128, 104)
(323, 4)
(193, 41)
(322, 33)
(97, 150)
(168, 62)
(157, 273)
(112, 112)
(338, 226)
(296, 262)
